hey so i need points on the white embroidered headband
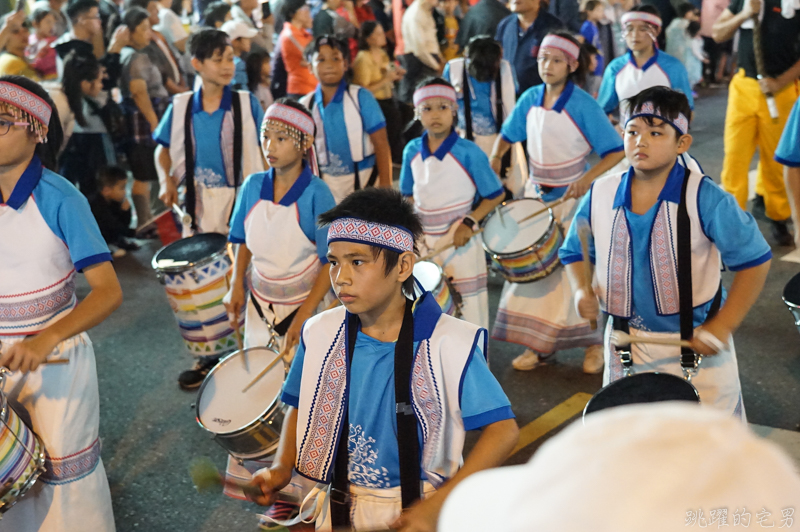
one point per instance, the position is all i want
(389, 237)
(434, 91)
(289, 116)
(681, 123)
(560, 43)
(641, 16)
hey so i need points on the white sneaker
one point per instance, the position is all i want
(593, 361)
(527, 361)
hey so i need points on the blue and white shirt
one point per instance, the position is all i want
(592, 36)
(560, 139)
(788, 152)
(373, 449)
(733, 231)
(209, 164)
(47, 233)
(623, 79)
(482, 106)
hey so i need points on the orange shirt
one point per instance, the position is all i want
(300, 79)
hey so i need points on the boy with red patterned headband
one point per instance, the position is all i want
(403, 383)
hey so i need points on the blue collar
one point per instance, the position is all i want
(443, 149)
(224, 104)
(650, 62)
(671, 191)
(337, 98)
(563, 98)
(295, 191)
(25, 185)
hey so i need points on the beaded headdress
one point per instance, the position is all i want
(297, 125)
(24, 105)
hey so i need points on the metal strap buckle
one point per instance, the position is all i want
(403, 408)
(339, 496)
(691, 371)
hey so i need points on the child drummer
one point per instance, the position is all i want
(395, 435)
(633, 216)
(47, 233)
(562, 125)
(453, 188)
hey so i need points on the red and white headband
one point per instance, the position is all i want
(291, 117)
(641, 16)
(681, 123)
(390, 237)
(571, 49)
(434, 91)
(24, 100)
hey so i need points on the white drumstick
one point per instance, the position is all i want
(184, 217)
(621, 338)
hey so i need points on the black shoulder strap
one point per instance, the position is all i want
(498, 104)
(188, 148)
(467, 103)
(685, 290)
(407, 438)
(236, 105)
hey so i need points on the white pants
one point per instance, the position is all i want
(62, 402)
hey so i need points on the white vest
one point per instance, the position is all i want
(439, 363)
(613, 249)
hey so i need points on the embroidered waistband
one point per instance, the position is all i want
(64, 470)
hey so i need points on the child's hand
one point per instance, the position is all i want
(462, 234)
(292, 337)
(586, 304)
(270, 482)
(710, 338)
(26, 355)
(578, 188)
(168, 192)
(234, 302)
(420, 517)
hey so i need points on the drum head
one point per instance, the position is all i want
(642, 388)
(429, 274)
(222, 407)
(791, 292)
(193, 249)
(503, 234)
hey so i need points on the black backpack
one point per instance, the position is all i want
(280, 77)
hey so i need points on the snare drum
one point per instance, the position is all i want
(196, 273)
(523, 251)
(791, 296)
(246, 424)
(432, 278)
(649, 387)
(22, 456)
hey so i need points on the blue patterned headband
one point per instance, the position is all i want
(681, 123)
(389, 237)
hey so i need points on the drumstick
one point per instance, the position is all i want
(584, 231)
(263, 372)
(621, 338)
(206, 476)
(182, 215)
(544, 210)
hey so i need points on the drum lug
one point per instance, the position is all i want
(194, 276)
(627, 361)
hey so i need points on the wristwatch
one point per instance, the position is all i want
(470, 222)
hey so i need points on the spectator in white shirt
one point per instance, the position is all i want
(423, 57)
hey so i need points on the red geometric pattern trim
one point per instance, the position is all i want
(73, 467)
(353, 229)
(27, 101)
(662, 263)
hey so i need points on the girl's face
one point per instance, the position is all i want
(598, 13)
(93, 88)
(18, 145)
(639, 36)
(329, 65)
(378, 38)
(142, 35)
(279, 148)
(554, 66)
(436, 115)
(46, 27)
(265, 72)
(303, 18)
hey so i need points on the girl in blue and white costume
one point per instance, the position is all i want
(280, 251)
(47, 234)
(644, 65)
(562, 125)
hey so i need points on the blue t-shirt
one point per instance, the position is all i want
(312, 195)
(521, 49)
(374, 459)
(340, 161)
(592, 36)
(483, 122)
(672, 68)
(240, 74)
(733, 231)
(788, 152)
(467, 154)
(209, 165)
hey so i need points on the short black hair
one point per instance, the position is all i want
(134, 16)
(205, 42)
(291, 7)
(667, 102)
(110, 176)
(329, 40)
(380, 205)
(216, 12)
(138, 3)
(693, 28)
(76, 8)
(483, 54)
(685, 8)
(646, 8)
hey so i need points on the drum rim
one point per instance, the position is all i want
(31, 480)
(251, 424)
(584, 414)
(783, 292)
(191, 265)
(512, 254)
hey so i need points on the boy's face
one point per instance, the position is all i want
(652, 147)
(279, 148)
(242, 45)
(436, 115)
(218, 68)
(329, 65)
(115, 193)
(359, 277)
(640, 36)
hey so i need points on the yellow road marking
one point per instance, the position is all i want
(551, 419)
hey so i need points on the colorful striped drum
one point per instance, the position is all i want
(22, 456)
(196, 272)
(523, 250)
(431, 277)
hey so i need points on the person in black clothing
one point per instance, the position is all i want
(112, 210)
(481, 19)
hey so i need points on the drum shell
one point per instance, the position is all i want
(35, 460)
(791, 298)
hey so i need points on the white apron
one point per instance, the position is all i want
(632, 80)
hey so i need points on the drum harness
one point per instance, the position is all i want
(690, 361)
(280, 328)
(407, 438)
